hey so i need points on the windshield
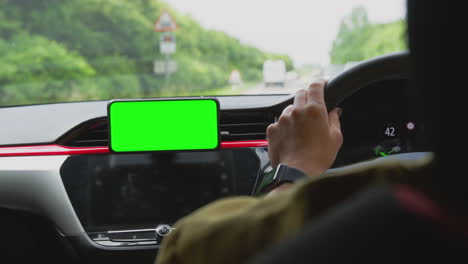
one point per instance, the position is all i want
(79, 50)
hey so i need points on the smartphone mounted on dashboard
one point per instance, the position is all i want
(164, 125)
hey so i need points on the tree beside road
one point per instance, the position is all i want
(358, 39)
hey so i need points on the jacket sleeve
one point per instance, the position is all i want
(233, 230)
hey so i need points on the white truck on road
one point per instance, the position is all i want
(274, 73)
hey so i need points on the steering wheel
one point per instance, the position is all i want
(387, 67)
(391, 66)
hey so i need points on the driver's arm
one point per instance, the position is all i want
(232, 230)
(306, 136)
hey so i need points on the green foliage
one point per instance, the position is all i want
(57, 50)
(35, 67)
(360, 40)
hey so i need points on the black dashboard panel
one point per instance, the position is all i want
(141, 191)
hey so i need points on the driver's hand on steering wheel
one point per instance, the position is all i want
(306, 136)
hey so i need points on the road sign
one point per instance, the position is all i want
(167, 43)
(164, 66)
(165, 23)
(167, 47)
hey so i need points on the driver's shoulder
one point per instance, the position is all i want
(391, 169)
(337, 185)
(252, 220)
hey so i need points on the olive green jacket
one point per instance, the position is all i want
(233, 230)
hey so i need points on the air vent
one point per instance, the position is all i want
(235, 126)
(244, 125)
(94, 135)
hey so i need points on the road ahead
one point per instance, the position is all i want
(291, 87)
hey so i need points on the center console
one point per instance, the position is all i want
(125, 200)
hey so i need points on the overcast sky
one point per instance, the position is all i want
(303, 29)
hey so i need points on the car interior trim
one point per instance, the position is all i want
(34, 184)
(48, 150)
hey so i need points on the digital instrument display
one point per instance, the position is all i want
(377, 121)
(163, 125)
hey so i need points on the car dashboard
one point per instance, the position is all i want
(54, 162)
(379, 121)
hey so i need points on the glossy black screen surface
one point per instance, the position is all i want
(124, 191)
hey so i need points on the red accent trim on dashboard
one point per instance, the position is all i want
(43, 150)
(244, 144)
(46, 150)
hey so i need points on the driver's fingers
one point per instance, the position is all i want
(301, 98)
(287, 110)
(315, 92)
(334, 121)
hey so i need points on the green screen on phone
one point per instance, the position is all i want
(163, 125)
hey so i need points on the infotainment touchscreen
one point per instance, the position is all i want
(163, 125)
(143, 190)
